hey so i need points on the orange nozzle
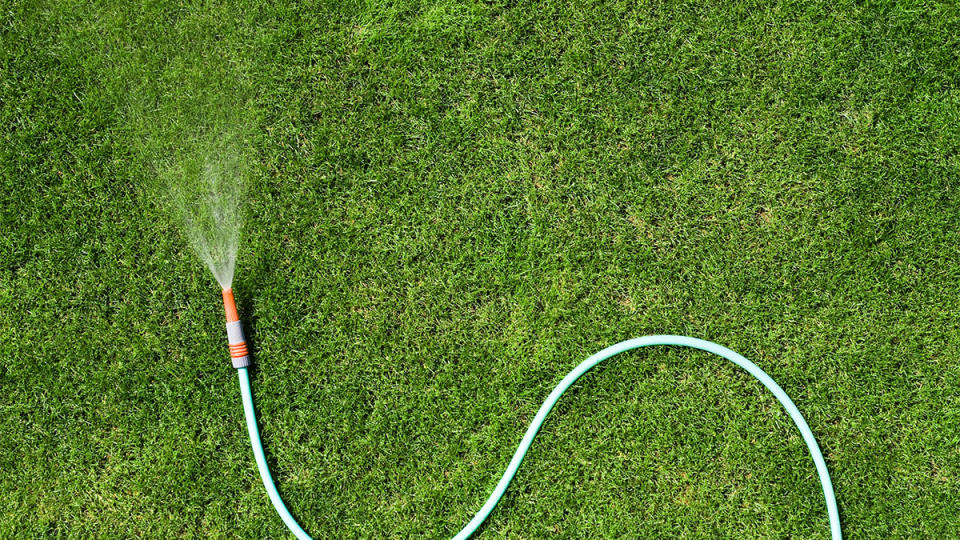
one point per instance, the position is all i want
(230, 306)
(238, 344)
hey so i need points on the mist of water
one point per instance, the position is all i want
(206, 190)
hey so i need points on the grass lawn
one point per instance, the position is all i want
(450, 205)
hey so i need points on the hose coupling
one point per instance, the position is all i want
(238, 343)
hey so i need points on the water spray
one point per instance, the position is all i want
(240, 355)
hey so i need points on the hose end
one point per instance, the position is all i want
(239, 353)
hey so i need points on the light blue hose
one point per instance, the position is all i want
(552, 399)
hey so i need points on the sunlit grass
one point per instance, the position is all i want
(448, 207)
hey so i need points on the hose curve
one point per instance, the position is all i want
(501, 487)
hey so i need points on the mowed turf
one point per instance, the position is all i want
(451, 205)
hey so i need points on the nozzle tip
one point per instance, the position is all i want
(230, 306)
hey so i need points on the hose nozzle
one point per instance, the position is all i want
(238, 343)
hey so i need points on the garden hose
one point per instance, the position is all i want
(241, 361)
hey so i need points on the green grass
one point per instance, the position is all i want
(451, 206)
